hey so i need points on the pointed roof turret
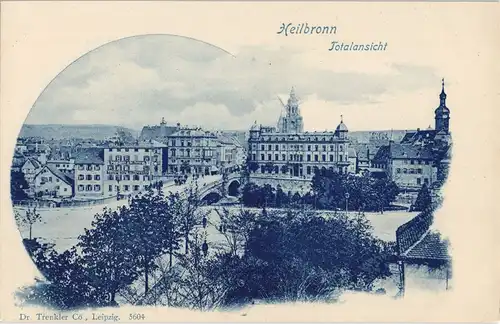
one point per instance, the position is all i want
(293, 97)
(442, 100)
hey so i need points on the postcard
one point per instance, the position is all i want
(249, 161)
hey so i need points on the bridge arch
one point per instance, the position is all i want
(233, 188)
(211, 197)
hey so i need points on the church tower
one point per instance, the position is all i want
(442, 113)
(292, 121)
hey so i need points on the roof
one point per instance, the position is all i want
(192, 132)
(90, 155)
(429, 247)
(418, 135)
(69, 179)
(403, 151)
(156, 132)
(33, 161)
(366, 152)
(416, 241)
(341, 127)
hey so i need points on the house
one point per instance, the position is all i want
(50, 181)
(423, 258)
(353, 159)
(30, 169)
(89, 173)
(408, 165)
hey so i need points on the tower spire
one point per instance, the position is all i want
(341, 118)
(442, 96)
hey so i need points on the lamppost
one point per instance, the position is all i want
(346, 202)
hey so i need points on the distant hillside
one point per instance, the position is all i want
(369, 136)
(57, 132)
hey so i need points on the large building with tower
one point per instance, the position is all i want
(288, 150)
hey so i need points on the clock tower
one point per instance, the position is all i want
(442, 113)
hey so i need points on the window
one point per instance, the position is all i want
(137, 150)
(340, 158)
(145, 178)
(262, 157)
(269, 157)
(276, 157)
(89, 187)
(426, 180)
(341, 148)
(146, 159)
(308, 147)
(405, 170)
(110, 188)
(136, 177)
(136, 187)
(126, 150)
(269, 147)
(323, 158)
(126, 187)
(65, 189)
(126, 177)
(398, 170)
(89, 167)
(324, 147)
(97, 188)
(315, 147)
(89, 177)
(110, 167)
(419, 181)
(412, 162)
(80, 167)
(308, 170)
(277, 147)
(97, 177)
(262, 147)
(331, 157)
(315, 158)
(97, 167)
(146, 150)
(283, 157)
(308, 158)
(81, 188)
(419, 171)
(81, 177)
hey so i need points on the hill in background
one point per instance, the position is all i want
(58, 132)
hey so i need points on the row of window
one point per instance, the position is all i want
(197, 142)
(296, 157)
(296, 147)
(410, 171)
(48, 179)
(416, 162)
(285, 170)
(89, 167)
(126, 158)
(89, 177)
(131, 149)
(89, 188)
(126, 188)
(145, 168)
(126, 177)
(187, 153)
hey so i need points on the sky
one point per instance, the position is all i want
(136, 81)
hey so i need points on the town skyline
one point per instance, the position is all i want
(192, 82)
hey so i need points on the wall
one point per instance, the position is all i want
(409, 180)
(300, 185)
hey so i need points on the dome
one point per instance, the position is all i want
(341, 127)
(254, 127)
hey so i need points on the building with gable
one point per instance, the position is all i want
(51, 182)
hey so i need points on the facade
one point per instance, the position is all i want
(192, 151)
(130, 169)
(422, 157)
(51, 182)
(89, 172)
(63, 165)
(288, 150)
(30, 169)
(409, 166)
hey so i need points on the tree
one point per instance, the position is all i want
(190, 213)
(424, 199)
(108, 253)
(29, 218)
(18, 185)
(236, 228)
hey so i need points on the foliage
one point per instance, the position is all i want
(424, 199)
(364, 193)
(18, 185)
(29, 218)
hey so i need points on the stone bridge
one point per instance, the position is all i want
(226, 186)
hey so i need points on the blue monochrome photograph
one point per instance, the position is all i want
(161, 170)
